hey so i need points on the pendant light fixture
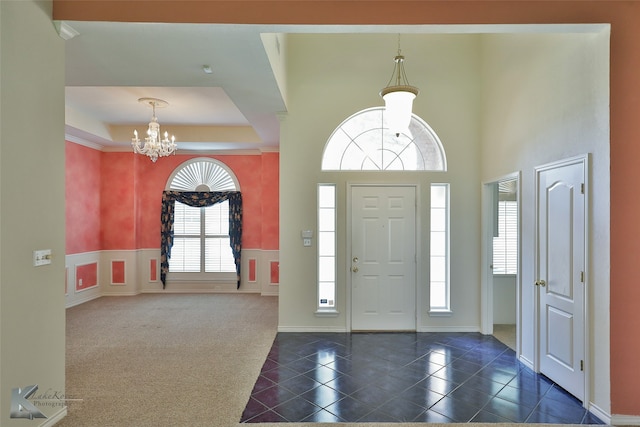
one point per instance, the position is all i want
(154, 145)
(398, 97)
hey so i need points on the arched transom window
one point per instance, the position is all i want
(202, 174)
(363, 142)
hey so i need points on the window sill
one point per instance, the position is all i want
(440, 313)
(224, 277)
(326, 313)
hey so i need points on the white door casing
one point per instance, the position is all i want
(561, 272)
(383, 258)
(490, 197)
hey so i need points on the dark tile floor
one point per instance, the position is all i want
(403, 377)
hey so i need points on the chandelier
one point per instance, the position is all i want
(398, 97)
(152, 145)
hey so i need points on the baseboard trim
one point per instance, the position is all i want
(198, 291)
(120, 294)
(598, 412)
(311, 329)
(83, 300)
(55, 418)
(343, 329)
(625, 420)
(448, 329)
(528, 363)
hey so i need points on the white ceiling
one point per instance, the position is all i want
(109, 65)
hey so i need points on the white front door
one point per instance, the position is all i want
(383, 258)
(561, 273)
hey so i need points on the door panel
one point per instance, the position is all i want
(560, 336)
(561, 264)
(383, 269)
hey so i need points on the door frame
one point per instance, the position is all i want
(585, 160)
(486, 284)
(418, 265)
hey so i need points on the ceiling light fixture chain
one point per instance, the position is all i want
(398, 96)
(152, 145)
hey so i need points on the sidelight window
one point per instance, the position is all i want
(326, 247)
(439, 295)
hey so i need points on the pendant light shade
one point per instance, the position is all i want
(399, 107)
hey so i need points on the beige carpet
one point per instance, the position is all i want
(166, 360)
(169, 360)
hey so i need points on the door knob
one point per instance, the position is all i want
(355, 259)
(541, 283)
(354, 269)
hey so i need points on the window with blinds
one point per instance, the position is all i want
(201, 244)
(201, 240)
(505, 245)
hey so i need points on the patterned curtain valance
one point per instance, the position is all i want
(199, 199)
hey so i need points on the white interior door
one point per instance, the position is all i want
(561, 273)
(383, 258)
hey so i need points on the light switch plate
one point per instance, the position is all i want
(41, 257)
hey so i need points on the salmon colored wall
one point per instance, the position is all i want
(117, 198)
(151, 179)
(114, 199)
(270, 200)
(82, 199)
(625, 106)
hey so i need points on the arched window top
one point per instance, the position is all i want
(363, 142)
(203, 174)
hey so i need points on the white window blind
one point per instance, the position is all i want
(201, 239)
(505, 246)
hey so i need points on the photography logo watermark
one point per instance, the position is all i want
(25, 401)
(21, 407)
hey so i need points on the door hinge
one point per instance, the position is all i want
(582, 188)
(582, 276)
(582, 365)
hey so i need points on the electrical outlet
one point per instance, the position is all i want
(41, 257)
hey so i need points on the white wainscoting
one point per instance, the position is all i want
(265, 261)
(130, 285)
(142, 275)
(73, 296)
